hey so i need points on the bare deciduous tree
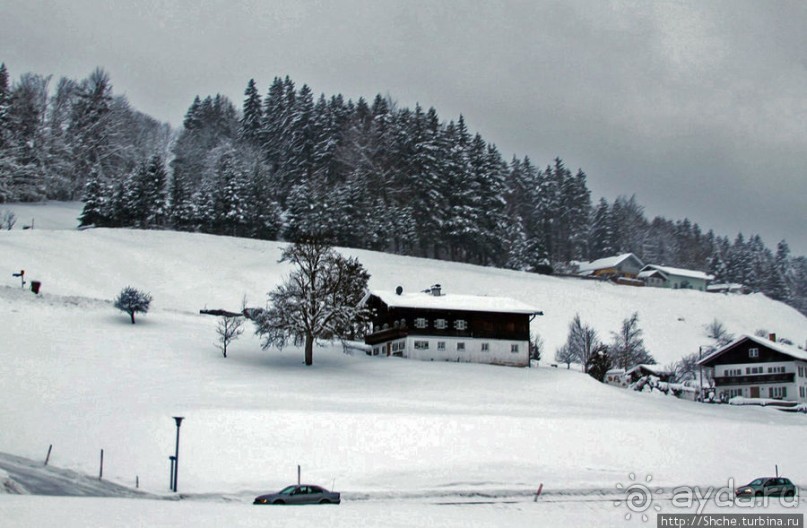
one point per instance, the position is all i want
(717, 331)
(628, 348)
(9, 219)
(228, 330)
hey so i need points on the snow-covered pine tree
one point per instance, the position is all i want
(251, 116)
(181, 208)
(95, 206)
(601, 239)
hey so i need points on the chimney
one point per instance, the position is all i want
(435, 290)
(772, 337)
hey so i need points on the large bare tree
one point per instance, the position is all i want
(319, 299)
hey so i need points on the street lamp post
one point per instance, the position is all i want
(178, 420)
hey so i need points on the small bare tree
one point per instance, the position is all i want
(686, 368)
(9, 219)
(565, 355)
(228, 330)
(717, 331)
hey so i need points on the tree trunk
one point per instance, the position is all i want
(309, 349)
(132, 316)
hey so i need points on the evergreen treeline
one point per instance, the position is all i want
(53, 138)
(288, 164)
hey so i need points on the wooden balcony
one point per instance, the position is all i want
(755, 379)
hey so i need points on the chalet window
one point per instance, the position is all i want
(421, 322)
(460, 324)
(777, 392)
(441, 345)
(514, 349)
(485, 347)
(421, 345)
(440, 324)
(461, 346)
(776, 370)
(753, 352)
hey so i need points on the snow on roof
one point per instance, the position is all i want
(788, 350)
(607, 262)
(655, 369)
(467, 303)
(680, 272)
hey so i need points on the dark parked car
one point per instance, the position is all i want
(301, 494)
(768, 486)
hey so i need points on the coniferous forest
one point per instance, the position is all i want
(287, 164)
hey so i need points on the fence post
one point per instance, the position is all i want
(101, 471)
(50, 448)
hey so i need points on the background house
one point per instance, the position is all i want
(626, 265)
(674, 278)
(433, 326)
(754, 367)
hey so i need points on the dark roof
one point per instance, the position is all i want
(788, 350)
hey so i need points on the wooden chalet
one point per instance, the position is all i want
(432, 326)
(755, 367)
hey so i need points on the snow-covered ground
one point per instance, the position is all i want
(395, 436)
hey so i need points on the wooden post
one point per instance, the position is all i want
(101, 471)
(50, 448)
(298, 474)
(538, 493)
(137, 481)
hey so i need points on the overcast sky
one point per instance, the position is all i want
(699, 108)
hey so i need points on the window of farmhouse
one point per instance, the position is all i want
(421, 322)
(514, 349)
(441, 345)
(460, 324)
(421, 345)
(485, 347)
(461, 346)
(753, 352)
(440, 324)
(777, 392)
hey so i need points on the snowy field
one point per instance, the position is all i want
(402, 440)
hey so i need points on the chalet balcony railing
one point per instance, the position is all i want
(387, 334)
(755, 379)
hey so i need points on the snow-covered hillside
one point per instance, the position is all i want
(76, 374)
(187, 272)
